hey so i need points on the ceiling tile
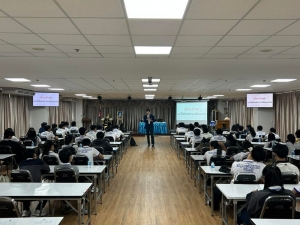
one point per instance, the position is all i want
(64, 39)
(9, 48)
(282, 41)
(118, 55)
(280, 56)
(253, 56)
(92, 8)
(13, 38)
(84, 55)
(228, 50)
(50, 54)
(219, 56)
(28, 48)
(115, 49)
(257, 50)
(31, 8)
(154, 27)
(13, 54)
(259, 27)
(82, 49)
(2, 14)
(109, 40)
(101, 26)
(216, 9)
(9, 25)
(190, 50)
(275, 9)
(206, 27)
(294, 29)
(292, 51)
(186, 56)
(153, 40)
(197, 40)
(49, 25)
(241, 40)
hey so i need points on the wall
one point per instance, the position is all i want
(79, 111)
(37, 116)
(221, 104)
(263, 117)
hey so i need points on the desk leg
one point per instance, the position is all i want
(108, 172)
(234, 212)
(199, 178)
(79, 210)
(204, 185)
(103, 179)
(89, 207)
(212, 195)
(12, 163)
(222, 209)
(112, 166)
(95, 194)
(185, 157)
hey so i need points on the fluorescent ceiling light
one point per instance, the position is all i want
(243, 89)
(150, 89)
(17, 79)
(149, 95)
(87, 96)
(153, 80)
(261, 85)
(155, 9)
(152, 50)
(40, 85)
(150, 85)
(92, 98)
(218, 95)
(80, 94)
(211, 97)
(283, 80)
(149, 98)
(56, 89)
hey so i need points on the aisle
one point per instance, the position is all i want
(152, 187)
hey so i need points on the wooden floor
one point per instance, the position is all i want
(151, 187)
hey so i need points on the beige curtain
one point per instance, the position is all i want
(239, 113)
(66, 111)
(287, 109)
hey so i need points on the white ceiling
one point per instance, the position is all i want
(216, 47)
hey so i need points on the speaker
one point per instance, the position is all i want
(99, 97)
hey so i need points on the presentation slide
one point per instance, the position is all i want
(190, 112)
(259, 100)
(46, 99)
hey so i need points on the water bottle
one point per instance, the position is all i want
(240, 137)
(89, 164)
(293, 153)
(212, 166)
(259, 140)
(80, 146)
(32, 144)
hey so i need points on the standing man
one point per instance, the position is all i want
(149, 119)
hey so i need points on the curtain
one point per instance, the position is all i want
(14, 113)
(133, 111)
(239, 113)
(66, 111)
(287, 109)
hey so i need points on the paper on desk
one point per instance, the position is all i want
(29, 221)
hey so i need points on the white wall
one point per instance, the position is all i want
(263, 117)
(37, 116)
(79, 111)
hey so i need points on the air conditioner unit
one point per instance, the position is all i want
(69, 99)
(17, 91)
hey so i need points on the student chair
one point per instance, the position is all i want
(181, 133)
(218, 160)
(204, 150)
(43, 138)
(80, 160)
(243, 136)
(22, 138)
(9, 208)
(290, 178)
(245, 178)
(65, 175)
(59, 135)
(5, 149)
(232, 150)
(20, 176)
(27, 142)
(110, 138)
(100, 149)
(297, 151)
(51, 160)
(278, 207)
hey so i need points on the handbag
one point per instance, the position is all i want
(224, 169)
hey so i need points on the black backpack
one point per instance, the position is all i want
(132, 142)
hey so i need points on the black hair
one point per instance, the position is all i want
(54, 125)
(181, 125)
(81, 130)
(291, 138)
(99, 127)
(29, 153)
(259, 128)
(205, 130)
(216, 145)
(31, 135)
(249, 126)
(196, 124)
(86, 142)
(231, 140)
(148, 110)
(273, 130)
(47, 127)
(282, 151)
(197, 132)
(252, 132)
(273, 176)
(100, 135)
(64, 155)
(93, 127)
(258, 154)
(246, 145)
(43, 124)
(191, 127)
(297, 133)
(116, 126)
(235, 127)
(241, 128)
(271, 137)
(73, 124)
(68, 139)
(66, 123)
(219, 131)
(109, 128)
(47, 146)
(60, 125)
(8, 133)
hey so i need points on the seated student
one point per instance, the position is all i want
(247, 147)
(230, 142)
(54, 128)
(36, 167)
(196, 138)
(88, 151)
(69, 142)
(49, 150)
(197, 126)
(253, 163)
(118, 133)
(42, 128)
(272, 131)
(13, 137)
(251, 135)
(61, 130)
(271, 141)
(109, 133)
(102, 142)
(248, 128)
(16, 148)
(67, 128)
(280, 153)
(100, 128)
(92, 133)
(48, 134)
(240, 132)
(215, 149)
(255, 200)
(190, 133)
(219, 137)
(31, 135)
(260, 131)
(82, 135)
(205, 133)
(181, 128)
(123, 128)
(291, 143)
(73, 127)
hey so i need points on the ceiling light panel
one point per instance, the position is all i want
(80, 94)
(150, 89)
(260, 85)
(56, 89)
(17, 79)
(243, 89)
(283, 80)
(152, 50)
(87, 96)
(150, 85)
(218, 95)
(153, 80)
(40, 85)
(155, 9)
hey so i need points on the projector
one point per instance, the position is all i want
(170, 97)
(200, 98)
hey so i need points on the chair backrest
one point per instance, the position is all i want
(245, 178)
(278, 140)
(50, 160)
(5, 149)
(205, 149)
(65, 175)
(22, 138)
(59, 135)
(74, 131)
(278, 207)
(218, 160)
(197, 144)
(297, 151)
(20, 176)
(100, 149)
(27, 142)
(181, 133)
(80, 160)
(232, 150)
(110, 138)
(243, 136)
(8, 208)
(256, 139)
(290, 178)
(43, 138)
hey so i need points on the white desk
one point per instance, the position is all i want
(173, 139)
(50, 191)
(178, 141)
(107, 160)
(241, 139)
(275, 221)
(183, 145)
(295, 157)
(197, 159)
(238, 192)
(31, 147)
(31, 221)
(187, 154)
(117, 157)
(259, 143)
(118, 144)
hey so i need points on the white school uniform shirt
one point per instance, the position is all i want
(276, 137)
(12, 139)
(92, 135)
(240, 156)
(80, 138)
(207, 135)
(61, 131)
(111, 134)
(74, 128)
(49, 135)
(117, 132)
(89, 152)
(211, 153)
(181, 130)
(287, 167)
(189, 134)
(195, 139)
(248, 166)
(71, 145)
(218, 138)
(52, 153)
(249, 138)
(258, 133)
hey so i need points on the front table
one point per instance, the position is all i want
(158, 128)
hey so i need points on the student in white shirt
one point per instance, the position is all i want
(247, 148)
(13, 137)
(118, 133)
(260, 131)
(251, 135)
(196, 138)
(253, 163)
(206, 134)
(215, 149)
(92, 133)
(280, 153)
(181, 128)
(190, 133)
(48, 134)
(110, 133)
(82, 135)
(272, 130)
(197, 126)
(66, 126)
(219, 136)
(61, 130)
(73, 128)
(49, 150)
(271, 142)
(88, 151)
(291, 143)
(100, 129)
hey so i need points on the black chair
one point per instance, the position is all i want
(205, 149)
(43, 138)
(51, 160)
(59, 135)
(74, 131)
(256, 139)
(65, 175)
(245, 178)
(197, 144)
(278, 140)
(9, 208)
(232, 150)
(243, 136)
(100, 149)
(181, 133)
(108, 141)
(80, 160)
(110, 138)
(218, 160)
(21, 176)
(22, 138)
(27, 142)
(297, 151)
(278, 207)
(290, 178)
(5, 149)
